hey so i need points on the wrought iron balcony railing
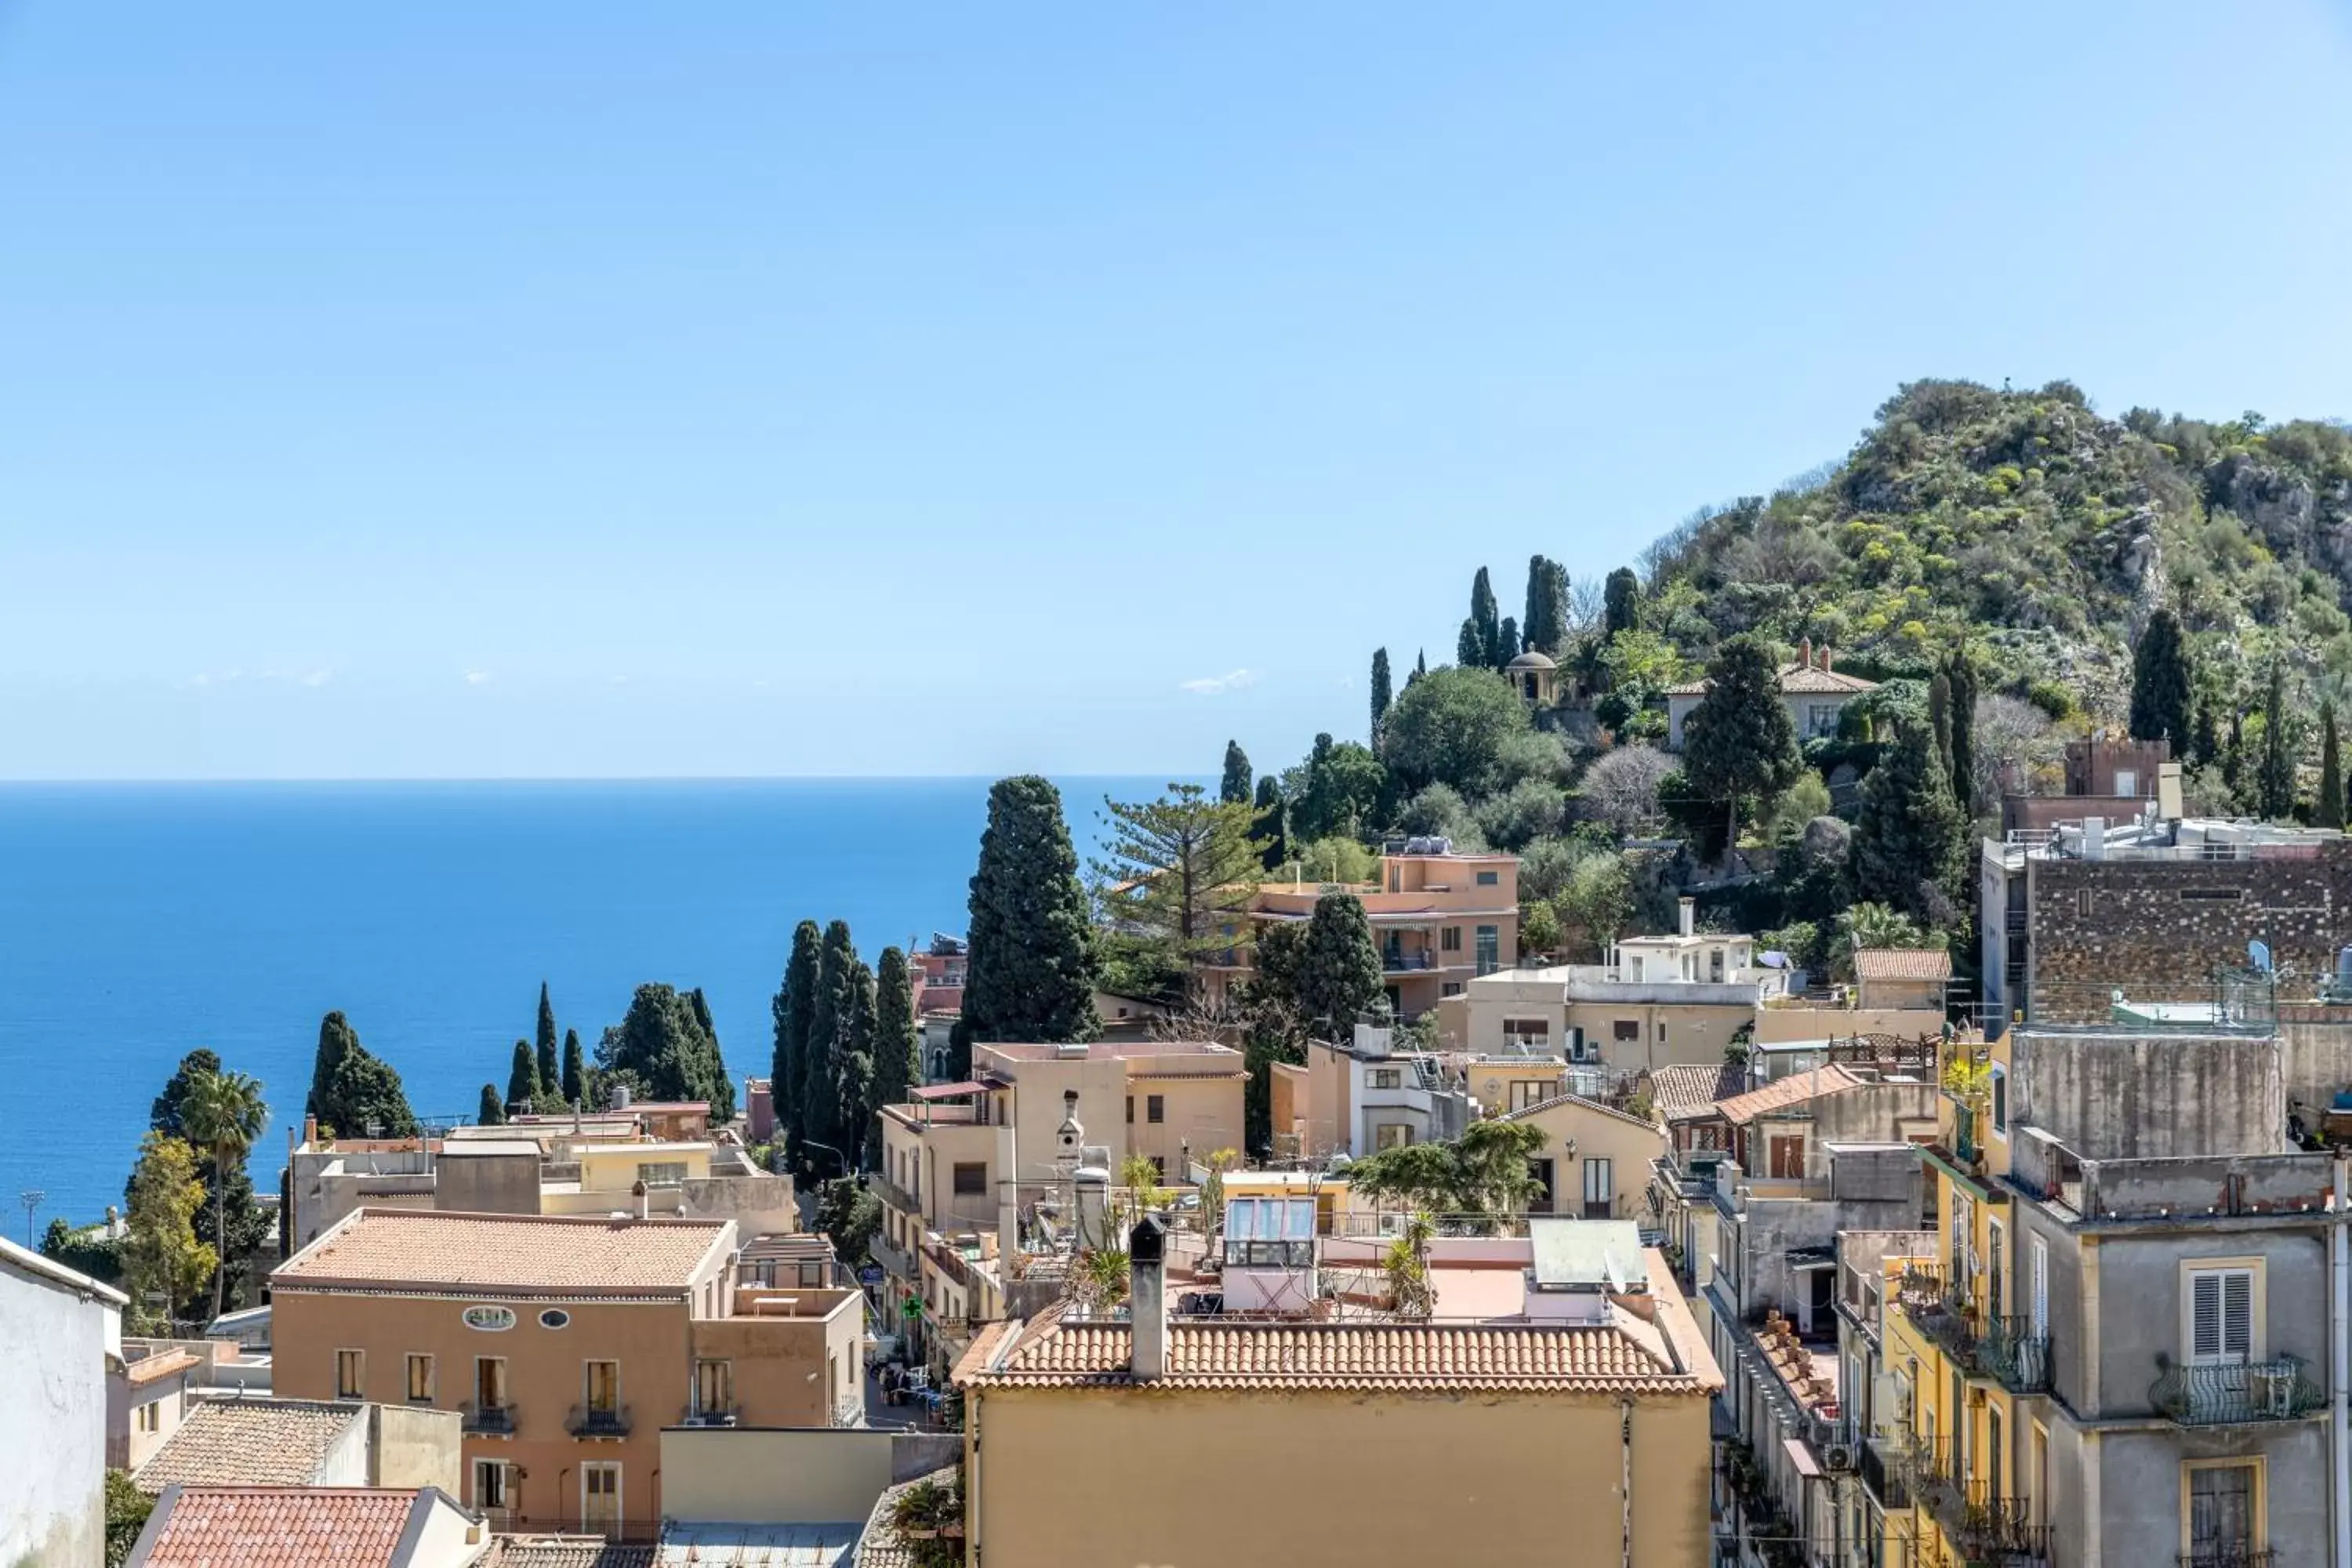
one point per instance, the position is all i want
(2229, 1557)
(2275, 1389)
(2010, 1353)
(598, 1421)
(716, 1414)
(484, 1417)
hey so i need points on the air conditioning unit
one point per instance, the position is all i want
(1839, 1456)
(1393, 1224)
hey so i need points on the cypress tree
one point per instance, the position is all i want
(1269, 830)
(2160, 694)
(1380, 692)
(855, 1065)
(2206, 744)
(1338, 966)
(351, 1090)
(1470, 645)
(1939, 720)
(550, 1073)
(522, 1079)
(795, 1001)
(493, 1112)
(576, 1071)
(2328, 810)
(1620, 602)
(897, 1046)
(2276, 780)
(1962, 676)
(1234, 789)
(1545, 629)
(2233, 757)
(1030, 975)
(1506, 643)
(1486, 616)
(1910, 841)
(1739, 740)
(830, 1023)
(1421, 663)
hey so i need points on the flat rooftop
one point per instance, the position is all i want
(376, 1249)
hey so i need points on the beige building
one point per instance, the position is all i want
(1440, 918)
(1900, 979)
(1596, 1160)
(1814, 694)
(147, 1397)
(267, 1442)
(565, 1345)
(1571, 1404)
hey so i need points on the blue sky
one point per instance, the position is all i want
(584, 389)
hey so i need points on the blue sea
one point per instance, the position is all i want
(137, 921)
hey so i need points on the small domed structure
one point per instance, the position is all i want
(1537, 676)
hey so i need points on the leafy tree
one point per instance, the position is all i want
(1910, 845)
(1175, 879)
(1338, 859)
(1454, 728)
(551, 1070)
(1528, 810)
(1484, 1172)
(792, 1009)
(160, 1254)
(1597, 904)
(1440, 812)
(1637, 667)
(1545, 626)
(1739, 741)
(237, 1227)
(850, 1216)
(662, 1047)
(1338, 966)
(1030, 974)
(1538, 928)
(522, 1077)
(127, 1509)
(352, 1090)
(1485, 614)
(1798, 806)
(1621, 787)
(225, 1115)
(1269, 826)
(897, 1046)
(2275, 781)
(90, 1252)
(1340, 788)
(575, 1076)
(1381, 693)
(1622, 603)
(2161, 685)
(1236, 788)
(493, 1110)
(1812, 870)
(1871, 926)
(2327, 809)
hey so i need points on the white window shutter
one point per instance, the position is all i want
(2041, 1297)
(2237, 1314)
(2205, 1316)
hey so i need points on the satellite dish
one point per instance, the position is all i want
(2258, 954)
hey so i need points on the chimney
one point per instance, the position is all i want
(645, 1204)
(1147, 1299)
(1805, 653)
(310, 1130)
(1090, 1196)
(1690, 916)
(1825, 658)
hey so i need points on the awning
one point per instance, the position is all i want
(949, 1090)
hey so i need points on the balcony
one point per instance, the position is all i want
(2240, 1395)
(598, 1421)
(725, 1414)
(2229, 1557)
(896, 1261)
(1886, 1471)
(891, 1193)
(1397, 963)
(1987, 1530)
(488, 1419)
(2013, 1355)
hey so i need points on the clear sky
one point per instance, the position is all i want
(588, 389)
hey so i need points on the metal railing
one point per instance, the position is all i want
(1406, 963)
(1886, 1471)
(2012, 1354)
(598, 1421)
(891, 1193)
(475, 1416)
(2229, 1557)
(1996, 1531)
(701, 1414)
(2275, 1389)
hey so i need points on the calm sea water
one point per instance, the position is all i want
(137, 921)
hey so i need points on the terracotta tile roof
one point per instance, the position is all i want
(1690, 1089)
(1797, 679)
(1557, 1101)
(1099, 1050)
(1902, 964)
(567, 1552)
(1361, 1357)
(247, 1442)
(281, 1527)
(508, 1254)
(148, 1369)
(1781, 1093)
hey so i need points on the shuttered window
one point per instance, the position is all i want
(2221, 1315)
(2041, 1286)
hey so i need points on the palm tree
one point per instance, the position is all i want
(224, 1112)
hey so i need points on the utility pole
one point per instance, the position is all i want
(31, 1198)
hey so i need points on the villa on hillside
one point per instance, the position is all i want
(1816, 696)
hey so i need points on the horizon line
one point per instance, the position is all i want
(20, 783)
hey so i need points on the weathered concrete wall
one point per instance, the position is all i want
(2318, 1045)
(764, 1475)
(53, 1421)
(2140, 1487)
(2118, 1097)
(1880, 1112)
(2157, 929)
(1775, 1024)
(349, 1460)
(760, 1205)
(2141, 1287)
(465, 1183)
(413, 1446)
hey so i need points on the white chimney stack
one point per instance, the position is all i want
(1147, 1299)
(1690, 917)
(644, 1203)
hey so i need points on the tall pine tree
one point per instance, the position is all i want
(2161, 685)
(897, 1044)
(854, 1065)
(492, 1111)
(1338, 967)
(1545, 629)
(1739, 741)
(1470, 645)
(1486, 616)
(831, 1022)
(795, 1003)
(1234, 788)
(1506, 643)
(1962, 676)
(1910, 842)
(522, 1077)
(1031, 972)
(551, 1071)
(1270, 827)
(575, 1073)
(351, 1090)
(1620, 602)
(1381, 693)
(2276, 780)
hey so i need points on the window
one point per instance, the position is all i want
(1599, 1189)
(2083, 903)
(1786, 1159)
(1449, 940)
(489, 1483)
(714, 1387)
(1489, 949)
(1490, 879)
(2222, 1526)
(662, 1172)
(2213, 895)
(351, 1374)
(1159, 1167)
(970, 1179)
(1391, 1135)
(600, 1495)
(2221, 1310)
(1527, 1034)
(1155, 1107)
(1662, 1031)
(1539, 1171)
(1626, 1029)
(1387, 1078)
(420, 1380)
(602, 1384)
(1821, 719)
(1131, 1110)
(2126, 781)
(1999, 1100)
(1449, 988)
(490, 1383)
(151, 1415)
(1528, 1091)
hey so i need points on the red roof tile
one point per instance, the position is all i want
(1902, 964)
(1784, 1092)
(280, 1527)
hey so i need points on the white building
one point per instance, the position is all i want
(59, 1328)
